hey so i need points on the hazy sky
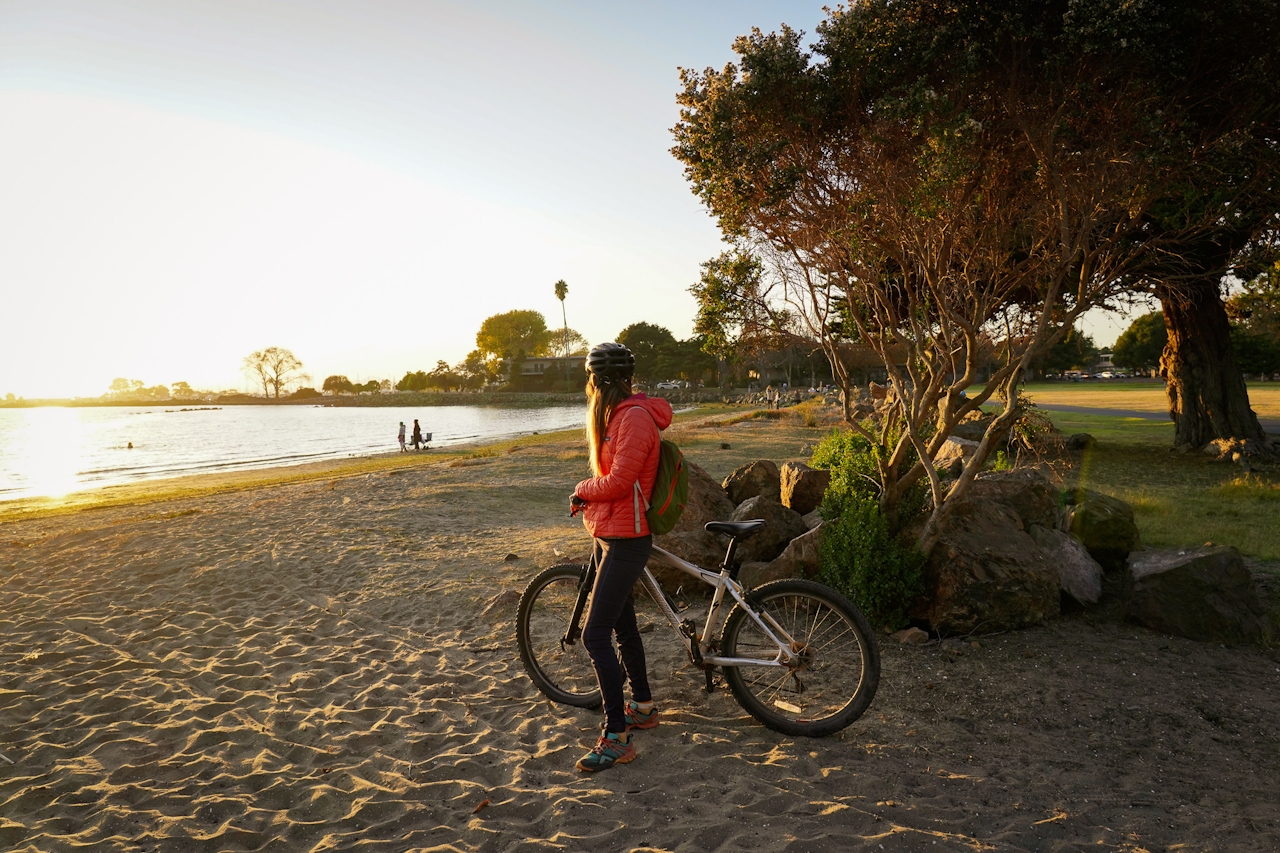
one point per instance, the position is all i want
(361, 182)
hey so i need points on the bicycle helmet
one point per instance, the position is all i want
(610, 362)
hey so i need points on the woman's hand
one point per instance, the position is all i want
(575, 505)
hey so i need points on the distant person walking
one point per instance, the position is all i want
(768, 397)
(403, 449)
(417, 434)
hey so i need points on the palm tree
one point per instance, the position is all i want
(562, 290)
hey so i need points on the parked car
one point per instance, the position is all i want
(667, 386)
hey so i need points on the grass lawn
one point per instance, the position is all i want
(1178, 499)
(1138, 395)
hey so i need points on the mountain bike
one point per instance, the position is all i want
(797, 655)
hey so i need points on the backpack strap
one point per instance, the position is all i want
(637, 493)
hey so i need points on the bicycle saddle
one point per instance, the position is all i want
(736, 529)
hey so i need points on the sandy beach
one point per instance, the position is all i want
(329, 664)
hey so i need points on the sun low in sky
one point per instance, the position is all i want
(360, 182)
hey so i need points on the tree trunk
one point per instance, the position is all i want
(1207, 395)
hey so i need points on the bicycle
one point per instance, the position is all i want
(797, 655)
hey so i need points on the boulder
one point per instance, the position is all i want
(1104, 525)
(1079, 574)
(802, 486)
(1025, 491)
(781, 526)
(986, 574)
(1203, 593)
(798, 560)
(812, 519)
(688, 539)
(758, 478)
(973, 426)
(953, 454)
(1081, 441)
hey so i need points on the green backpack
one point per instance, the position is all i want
(670, 490)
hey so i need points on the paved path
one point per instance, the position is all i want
(1267, 425)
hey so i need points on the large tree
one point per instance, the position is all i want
(646, 342)
(1216, 70)
(275, 368)
(511, 336)
(949, 174)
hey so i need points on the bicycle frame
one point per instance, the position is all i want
(721, 583)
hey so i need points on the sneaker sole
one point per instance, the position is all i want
(651, 723)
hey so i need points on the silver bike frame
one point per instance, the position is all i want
(721, 583)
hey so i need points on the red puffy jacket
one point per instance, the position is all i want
(629, 455)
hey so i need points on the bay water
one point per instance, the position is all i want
(57, 450)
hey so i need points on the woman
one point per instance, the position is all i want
(623, 440)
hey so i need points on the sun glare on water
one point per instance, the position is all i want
(45, 453)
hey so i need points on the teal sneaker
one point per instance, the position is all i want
(637, 719)
(612, 748)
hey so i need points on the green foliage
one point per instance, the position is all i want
(413, 381)
(646, 341)
(855, 475)
(1139, 346)
(859, 557)
(1255, 353)
(1000, 462)
(509, 335)
(1076, 351)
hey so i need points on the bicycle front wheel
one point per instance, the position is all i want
(562, 671)
(835, 660)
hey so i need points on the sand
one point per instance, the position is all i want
(329, 665)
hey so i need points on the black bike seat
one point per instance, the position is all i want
(736, 529)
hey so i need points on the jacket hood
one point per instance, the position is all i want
(657, 407)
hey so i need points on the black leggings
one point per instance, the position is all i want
(619, 563)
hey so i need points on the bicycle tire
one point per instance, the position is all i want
(840, 671)
(563, 674)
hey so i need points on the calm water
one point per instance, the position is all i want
(53, 451)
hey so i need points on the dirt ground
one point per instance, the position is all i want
(330, 666)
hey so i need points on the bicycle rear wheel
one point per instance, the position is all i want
(562, 671)
(836, 668)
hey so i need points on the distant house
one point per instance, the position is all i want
(540, 371)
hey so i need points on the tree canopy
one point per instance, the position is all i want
(512, 335)
(646, 341)
(1139, 347)
(935, 176)
(275, 368)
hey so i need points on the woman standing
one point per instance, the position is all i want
(623, 440)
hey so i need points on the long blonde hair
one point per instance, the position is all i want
(601, 401)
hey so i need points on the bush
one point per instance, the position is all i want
(856, 475)
(859, 557)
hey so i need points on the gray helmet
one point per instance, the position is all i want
(610, 362)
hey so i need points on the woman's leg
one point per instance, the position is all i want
(619, 564)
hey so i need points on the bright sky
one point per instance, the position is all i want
(361, 182)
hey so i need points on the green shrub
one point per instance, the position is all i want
(855, 475)
(859, 557)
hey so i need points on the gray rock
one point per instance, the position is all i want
(812, 519)
(986, 574)
(781, 526)
(798, 560)
(1079, 574)
(802, 486)
(1203, 593)
(1104, 525)
(911, 636)
(1081, 441)
(955, 451)
(1024, 491)
(758, 478)
(974, 426)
